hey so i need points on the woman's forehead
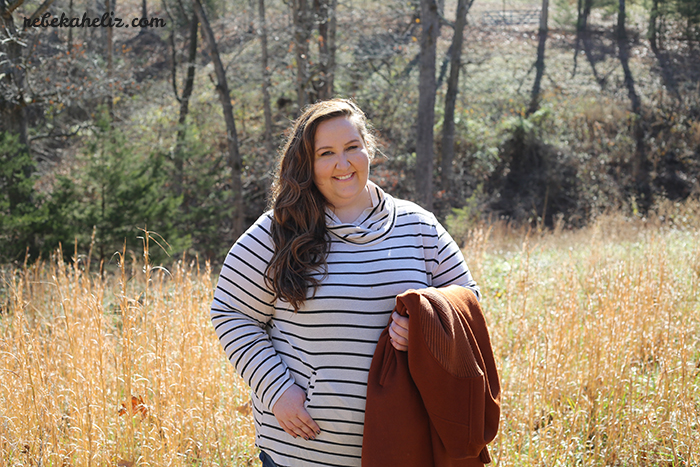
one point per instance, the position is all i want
(336, 130)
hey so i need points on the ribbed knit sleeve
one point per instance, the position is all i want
(241, 310)
(446, 336)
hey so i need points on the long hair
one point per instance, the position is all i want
(299, 224)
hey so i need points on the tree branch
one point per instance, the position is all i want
(173, 70)
(11, 7)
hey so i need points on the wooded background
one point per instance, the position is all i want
(105, 132)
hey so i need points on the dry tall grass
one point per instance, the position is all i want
(122, 372)
(597, 336)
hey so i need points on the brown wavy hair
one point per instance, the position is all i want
(299, 224)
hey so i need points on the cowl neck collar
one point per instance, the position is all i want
(375, 223)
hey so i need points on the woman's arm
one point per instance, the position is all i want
(447, 267)
(241, 310)
(451, 268)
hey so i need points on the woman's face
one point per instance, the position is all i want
(341, 166)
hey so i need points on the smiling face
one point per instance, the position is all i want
(341, 167)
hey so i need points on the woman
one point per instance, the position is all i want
(305, 293)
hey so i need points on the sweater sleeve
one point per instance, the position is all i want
(451, 268)
(242, 309)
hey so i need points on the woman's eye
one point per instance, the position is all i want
(350, 148)
(326, 153)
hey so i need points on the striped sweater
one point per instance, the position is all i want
(327, 347)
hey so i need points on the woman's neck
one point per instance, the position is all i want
(349, 214)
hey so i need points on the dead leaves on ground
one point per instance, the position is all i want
(245, 409)
(135, 406)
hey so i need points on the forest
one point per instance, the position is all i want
(121, 117)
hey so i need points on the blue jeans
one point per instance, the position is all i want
(266, 460)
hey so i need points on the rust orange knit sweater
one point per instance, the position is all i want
(437, 405)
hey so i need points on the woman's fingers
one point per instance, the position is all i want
(289, 429)
(398, 331)
(309, 423)
(303, 428)
(296, 427)
(292, 415)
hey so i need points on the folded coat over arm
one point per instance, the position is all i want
(437, 405)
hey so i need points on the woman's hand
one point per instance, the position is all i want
(398, 331)
(292, 415)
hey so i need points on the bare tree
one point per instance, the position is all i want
(144, 15)
(326, 45)
(623, 47)
(14, 115)
(448, 127)
(583, 13)
(539, 64)
(234, 157)
(429, 19)
(653, 25)
(13, 70)
(109, 46)
(302, 22)
(70, 30)
(13, 92)
(185, 99)
(267, 110)
(640, 164)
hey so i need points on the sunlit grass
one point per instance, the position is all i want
(597, 337)
(74, 348)
(596, 334)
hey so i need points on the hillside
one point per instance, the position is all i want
(612, 130)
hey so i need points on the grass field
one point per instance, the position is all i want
(596, 334)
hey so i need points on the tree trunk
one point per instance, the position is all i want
(587, 7)
(448, 127)
(110, 63)
(326, 45)
(301, 17)
(13, 113)
(584, 11)
(251, 16)
(653, 31)
(624, 54)
(621, 18)
(12, 110)
(70, 30)
(330, 65)
(234, 158)
(267, 110)
(185, 104)
(583, 36)
(426, 104)
(539, 64)
(144, 15)
(640, 163)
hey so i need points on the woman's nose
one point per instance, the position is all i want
(342, 161)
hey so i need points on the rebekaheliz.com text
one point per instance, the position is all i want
(107, 20)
